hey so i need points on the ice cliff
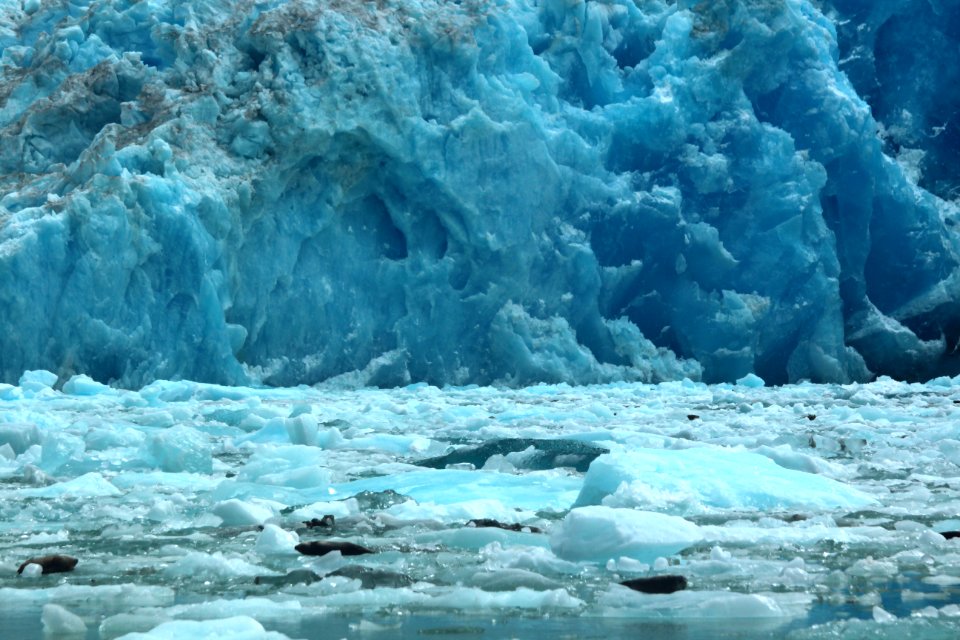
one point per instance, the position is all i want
(479, 191)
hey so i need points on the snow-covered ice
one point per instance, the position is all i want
(785, 506)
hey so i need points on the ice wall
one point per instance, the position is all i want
(472, 192)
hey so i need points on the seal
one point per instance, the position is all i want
(326, 521)
(482, 523)
(657, 584)
(322, 548)
(51, 564)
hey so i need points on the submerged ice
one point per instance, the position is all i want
(471, 192)
(188, 505)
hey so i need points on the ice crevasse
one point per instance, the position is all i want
(483, 191)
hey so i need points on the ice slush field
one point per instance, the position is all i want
(803, 511)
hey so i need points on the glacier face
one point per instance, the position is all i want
(484, 191)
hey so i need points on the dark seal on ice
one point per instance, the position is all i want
(657, 584)
(326, 521)
(484, 523)
(51, 564)
(323, 547)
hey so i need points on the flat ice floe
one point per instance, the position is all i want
(806, 509)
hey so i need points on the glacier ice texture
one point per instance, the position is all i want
(486, 191)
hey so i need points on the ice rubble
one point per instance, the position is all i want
(166, 552)
(457, 192)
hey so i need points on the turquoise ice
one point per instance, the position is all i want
(504, 191)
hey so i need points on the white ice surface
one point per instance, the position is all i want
(58, 621)
(598, 534)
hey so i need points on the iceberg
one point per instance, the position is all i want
(503, 192)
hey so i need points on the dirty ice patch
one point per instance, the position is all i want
(703, 479)
(598, 533)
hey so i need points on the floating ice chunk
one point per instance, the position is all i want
(46, 538)
(520, 598)
(59, 448)
(236, 628)
(280, 465)
(117, 595)
(870, 568)
(89, 485)
(180, 482)
(537, 559)
(693, 605)
(786, 457)
(32, 570)
(883, 616)
(102, 439)
(751, 381)
(263, 431)
(276, 541)
(197, 564)
(162, 510)
(458, 598)
(239, 513)
(703, 478)
(7, 452)
(534, 491)
(261, 609)
(181, 448)
(458, 512)
(510, 580)
(390, 443)
(338, 509)
(160, 391)
(84, 385)
(32, 382)
(19, 435)
(476, 538)
(302, 429)
(597, 534)
(304, 478)
(740, 534)
(57, 621)
(143, 620)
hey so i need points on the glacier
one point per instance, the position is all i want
(184, 504)
(483, 191)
